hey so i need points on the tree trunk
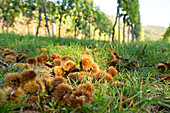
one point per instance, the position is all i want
(132, 33)
(40, 11)
(46, 19)
(52, 25)
(85, 32)
(124, 24)
(3, 24)
(94, 33)
(28, 28)
(128, 33)
(117, 14)
(61, 16)
(6, 25)
(75, 31)
(89, 30)
(28, 15)
(119, 29)
(110, 35)
(124, 32)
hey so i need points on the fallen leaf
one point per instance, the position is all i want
(109, 50)
(59, 46)
(44, 49)
(115, 55)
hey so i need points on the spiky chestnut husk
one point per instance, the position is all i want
(59, 93)
(21, 65)
(54, 56)
(163, 67)
(13, 80)
(42, 58)
(58, 70)
(66, 58)
(73, 77)
(46, 79)
(10, 59)
(21, 57)
(103, 76)
(57, 62)
(111, 70)
(94, 68)
(31, 104)
(13, 94)
(69, 65)
(86, 62)
(55, 82)
(79, 77)
(134, 64)
(77, 97)
(32, 61)
(8, 52)
(28, 75)
(86, 86)
(31, 87)
(2, 97)
(34, 86)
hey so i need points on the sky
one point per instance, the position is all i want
(153, 12)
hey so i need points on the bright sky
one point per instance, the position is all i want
(153, 12)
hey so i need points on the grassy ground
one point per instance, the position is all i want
(142, 87)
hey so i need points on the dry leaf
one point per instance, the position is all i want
(59, 46)
(109, 50)
(115, 55)
(44, 49)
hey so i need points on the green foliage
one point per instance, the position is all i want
(9, 11)
(166, 35)
(131, 7)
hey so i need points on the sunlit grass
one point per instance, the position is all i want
(141, 86)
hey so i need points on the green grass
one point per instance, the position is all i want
(139, 99)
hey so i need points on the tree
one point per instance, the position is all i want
(166, 35)
(10, 10)
(63, 8)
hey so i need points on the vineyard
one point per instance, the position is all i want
(77, 18)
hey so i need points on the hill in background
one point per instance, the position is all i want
(153, 32)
